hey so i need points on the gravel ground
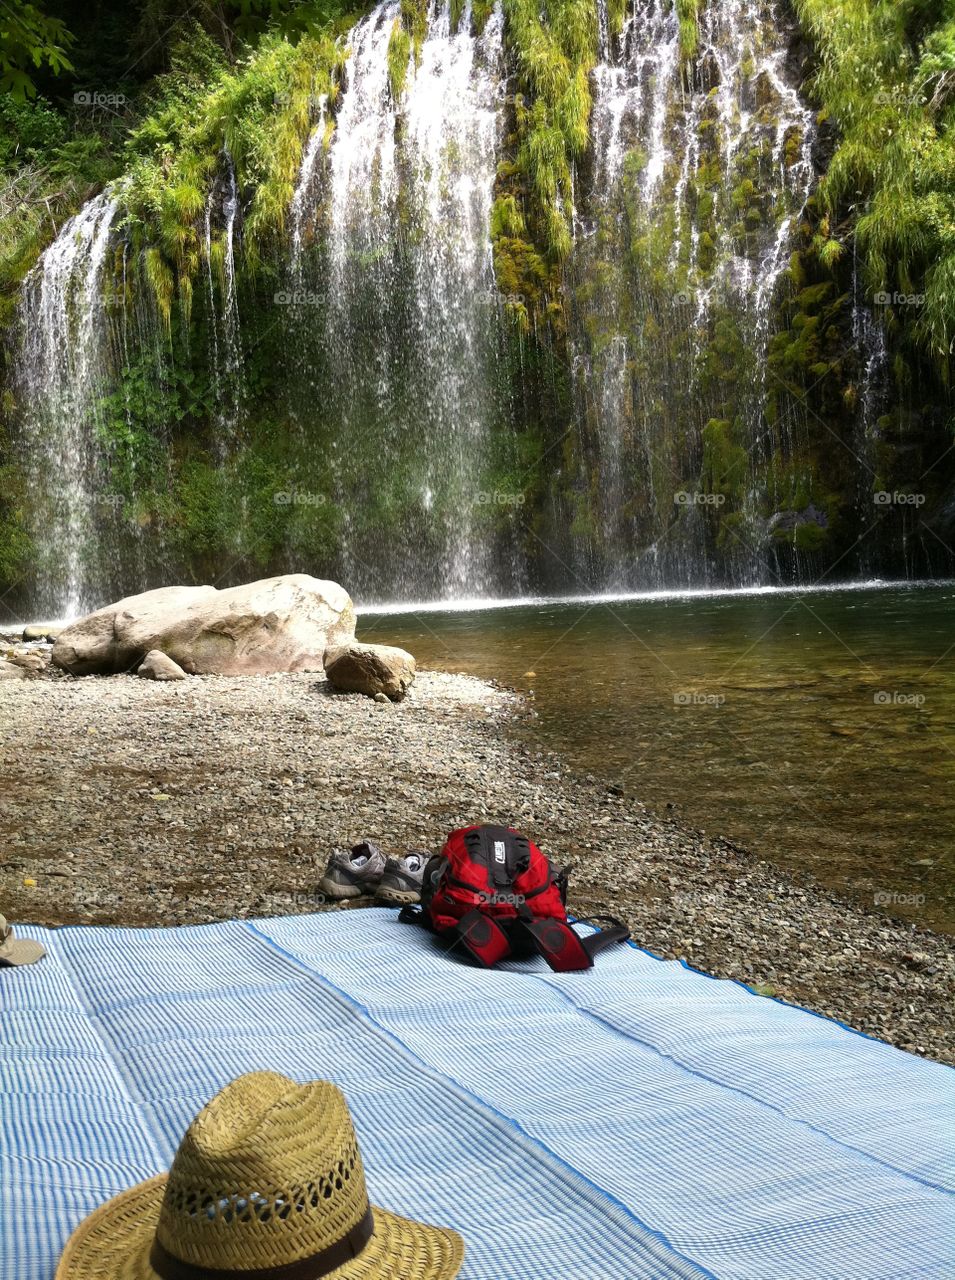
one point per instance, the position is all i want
(127, 801)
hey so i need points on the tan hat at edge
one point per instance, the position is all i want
(14, 951)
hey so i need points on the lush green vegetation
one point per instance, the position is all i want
(154, 94)
(261, 111)
(886, 80)
(554, 46)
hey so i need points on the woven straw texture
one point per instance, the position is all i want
(636, 1121)
(267, 1174)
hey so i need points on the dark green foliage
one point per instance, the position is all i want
(30, 39)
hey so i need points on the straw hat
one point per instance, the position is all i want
(267, 1184)
(17, 950)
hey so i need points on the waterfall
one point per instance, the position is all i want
(698, 177)
(302, 206)
(225, 352)
(413, 320)
(393, 445)
(61, 375)
(869, 340)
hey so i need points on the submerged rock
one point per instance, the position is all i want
(371, 669)
(158, 666)
(278, 624)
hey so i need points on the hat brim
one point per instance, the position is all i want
(114, 1243)
(21, 951)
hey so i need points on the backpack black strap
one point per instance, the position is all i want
(563, 950)
(604, 937)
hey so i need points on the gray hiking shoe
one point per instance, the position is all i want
(354, 874)
(402, 878)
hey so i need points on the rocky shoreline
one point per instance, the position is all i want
(124, 801)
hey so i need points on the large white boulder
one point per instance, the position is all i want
(279, 624)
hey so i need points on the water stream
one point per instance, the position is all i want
(815, 727)
(62, 373)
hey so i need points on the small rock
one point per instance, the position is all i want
(370, 669)
(34, 662)
(157, 666)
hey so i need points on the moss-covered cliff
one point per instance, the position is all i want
(718, 330)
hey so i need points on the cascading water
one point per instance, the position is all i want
(393, 436)
(62, 373)
(685, 229)
(869, 341)
(412, 318)
(225, 353)
(303, 199)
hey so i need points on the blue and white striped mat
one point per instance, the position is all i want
(638, 1122)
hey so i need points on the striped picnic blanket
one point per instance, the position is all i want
(638, 1121)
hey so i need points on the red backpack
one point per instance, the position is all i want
(494, 892)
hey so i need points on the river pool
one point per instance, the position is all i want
(814, 727)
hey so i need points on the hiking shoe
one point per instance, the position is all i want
(354, 874)
(403, 878)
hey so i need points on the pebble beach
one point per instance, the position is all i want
(125, 801)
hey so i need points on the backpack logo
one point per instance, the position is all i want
(500, 853)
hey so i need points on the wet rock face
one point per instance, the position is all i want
(789, 520)
(278, 624)
(378, 670)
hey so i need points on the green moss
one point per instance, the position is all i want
(262, 110)
(414, 19)
(725, 467)
(399, 55)
(883, 76)
(688, 15)
(810, 537)
(616, 15)
(554, 47)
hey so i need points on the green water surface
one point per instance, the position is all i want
(818, 729)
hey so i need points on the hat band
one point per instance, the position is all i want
(169, 1267)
